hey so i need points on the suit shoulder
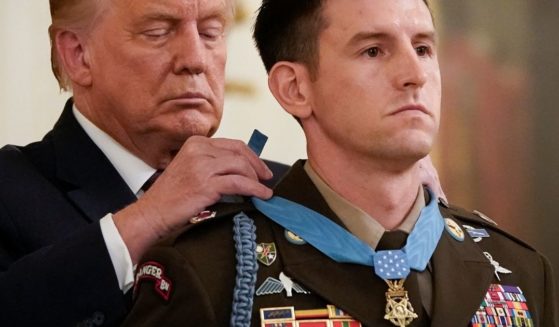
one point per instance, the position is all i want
(478, 219)
(34, 156)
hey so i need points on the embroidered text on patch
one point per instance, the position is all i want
(154, 271)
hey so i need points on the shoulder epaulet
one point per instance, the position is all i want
(214, 213)
(478, 218)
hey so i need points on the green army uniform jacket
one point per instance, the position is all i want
(198, 273)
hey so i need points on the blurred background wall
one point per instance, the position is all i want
(498, 150)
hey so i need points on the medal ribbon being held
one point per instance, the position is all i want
(392, 265)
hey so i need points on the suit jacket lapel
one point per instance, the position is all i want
(96, 187)
(461, 277)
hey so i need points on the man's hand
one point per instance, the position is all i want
(200, 174)
(430, 177)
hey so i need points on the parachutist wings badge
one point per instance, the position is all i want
(274, 286)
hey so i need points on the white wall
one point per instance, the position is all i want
(30, 101)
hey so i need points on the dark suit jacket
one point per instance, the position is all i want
(55, 269)
(200, 265)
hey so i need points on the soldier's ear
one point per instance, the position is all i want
(73, 57)
(290, 84)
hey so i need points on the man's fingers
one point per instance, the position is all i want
(240, 185)
(242, 149)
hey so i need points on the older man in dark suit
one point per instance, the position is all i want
(147, 80)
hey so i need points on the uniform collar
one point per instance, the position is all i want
(357, 221)
(132, 169)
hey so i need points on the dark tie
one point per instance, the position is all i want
(392, 240)
(151, 180)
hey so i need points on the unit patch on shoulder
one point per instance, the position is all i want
(154, 272)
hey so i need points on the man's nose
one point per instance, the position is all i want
(189, 52)
(409, 70)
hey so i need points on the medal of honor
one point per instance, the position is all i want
(399, 310)
(393, 266)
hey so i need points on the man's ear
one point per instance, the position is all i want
(73, 57)
(290, 84)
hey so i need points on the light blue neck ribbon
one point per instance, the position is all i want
(342, 246)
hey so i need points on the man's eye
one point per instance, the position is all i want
(422, 50)
(211, 34)
(373, 52)
(156, 32)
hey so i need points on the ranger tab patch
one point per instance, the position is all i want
(154, 272)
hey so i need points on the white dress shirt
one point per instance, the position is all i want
(135, 173)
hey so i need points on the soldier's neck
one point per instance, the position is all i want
(385, 193)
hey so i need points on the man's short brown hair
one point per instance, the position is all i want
(288, 30)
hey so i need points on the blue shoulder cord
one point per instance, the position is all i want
(244, 232)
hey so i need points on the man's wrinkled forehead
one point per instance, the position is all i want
(225, 8)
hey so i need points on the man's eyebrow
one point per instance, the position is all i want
(429, 36)
(371, 35)
(159, 17)
(368, 35)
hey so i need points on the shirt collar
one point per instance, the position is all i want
(357, 221)
(132, 169)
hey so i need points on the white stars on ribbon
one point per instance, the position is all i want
(392, 264)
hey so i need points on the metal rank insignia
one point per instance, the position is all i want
(266, 253)
(503, 306)
(289, 317)
(399, 310)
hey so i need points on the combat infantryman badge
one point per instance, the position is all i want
(266, 253)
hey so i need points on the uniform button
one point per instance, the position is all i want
(88, 323)
(98, 318)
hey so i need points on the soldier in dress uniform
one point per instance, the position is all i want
(350, 238)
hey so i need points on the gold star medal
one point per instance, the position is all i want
(393, 267)
(399, 310)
